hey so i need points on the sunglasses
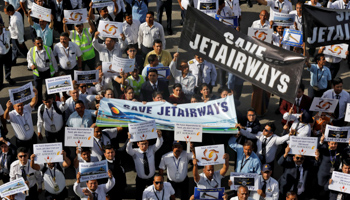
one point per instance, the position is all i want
(132, 50)
(22, 156)
(251, 115)
(82, 86)
(299, 158)
(158, 182)
(266, 130)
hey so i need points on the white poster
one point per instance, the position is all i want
(1, 110)
(305, 146)
(188, 132)
(102, 4)
(337, 50)
(78, 16)
(123, 64)
(282, 19)
(41, 12)
(22, 93)
(337, 134)
(323, 105)
(340, 182)
(263, 34)
(347, 113)
(209, 7)
(110, 29)
(78, 137)
(250, 180)
(59, 84)
(93, 170)
(143, 131)
(210, 155)
(90, 76)
(48, 153)
(13, 187)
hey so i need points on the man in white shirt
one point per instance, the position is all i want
(109, 48)
(82, 155)
(204, 71)
(277, 38)
(282, 6)
(5, 54)
(159, 190)
(131, 28)
(242, 194)
(262, 22)
(341, 4)
(268, 186)
(298, 17)
(301, 123)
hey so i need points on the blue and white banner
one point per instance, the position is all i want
(293, 38)
(204, 194)
(163, 72)
(229, 21)
(216, 116)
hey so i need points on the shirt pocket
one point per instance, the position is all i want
(156, 35)
(146, 33)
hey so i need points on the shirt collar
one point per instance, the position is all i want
(110, 161)
(337, 94)
(154, 84)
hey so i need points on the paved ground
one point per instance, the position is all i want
(22, 76)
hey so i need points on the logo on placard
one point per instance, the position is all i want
(343, 189)
(325, 105)
(48, 159)
(337, 134)
(302, 152)
(212, 153)
(336, 49)
(260, 35)
(110, 29)
(76, 16)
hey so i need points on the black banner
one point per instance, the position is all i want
(271, 68)
(325, 26)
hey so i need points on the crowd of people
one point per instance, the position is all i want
(81, 47)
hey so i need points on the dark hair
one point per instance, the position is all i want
(152, 70)
(151, 58)
(318, 57)
(156, 93)
(202, 86)
(79, 102)
(158, 174)
(223, 89)
(64, 34)
(47, 96)
(251, 110)
(300, 3)
(177, 85)
(109, 89)
(290, 193)
(306, 117)
(197, 97)
(38, 38)
(9, 8)
(108, 146)
(131, 46)
(157, 41)
(248, 143)
(85, 149)
(221, 2)
(128, 88)
(272, 126)
(337, 81)
(22, 150)
(127, 14)
(150, 12)
(302, 87)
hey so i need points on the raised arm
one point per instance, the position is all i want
(226, 165)
(32, 164)
(196, 176)
(34, 99)
(262, 2)
(6, 115)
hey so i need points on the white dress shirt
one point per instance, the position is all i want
(272, 189)
(76, 4)
(188, 82)
(147, 34)
(150, 193)
(205, 183)
(131, 31)
(257, 24)
(236, 198)
(48, 114)
(303, 130)
(29, 3)
(344, 98)
(338, 5)
(276, 6)
(20, 122)
(276, 41)
(98, 144)
(209, 71)
(101, 190)
(16, 27)
(5, 42)
(107, 55)
(234, 6)
(33, 176)
(106, 83)
(59, 179)
(137, 155)
(40, 59)
(67, 54)
(298, 21)
(175, 165)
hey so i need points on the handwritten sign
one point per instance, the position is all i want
(59, 84)
(340, 182)
(41, 12)
(292, 38)
(22, 93)
(78, 137)
(305, 146)
(78, 16)
(93, 170)
(337, 50)
(263, 34)
(206, 194)
(282, 19)
(13, 187)
(86, 76)
(188, 132)
(143, 131)
(323, 105)
(250, 180)
(48, 153)
(110, 29)
(347, 113)
(337, 134)
(210, 155)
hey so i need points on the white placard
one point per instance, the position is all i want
(102, 4)
(337, 50)
(110, 29)
(41, 12)
(263, 34)
(78, 16)
(347, 113)
(123, 64)
(13, 187)
(210, 155)
(86, 76)
(305, 146)
(93, 170)
(282, 19)
(48, 153)
(59, 84)
(337, 134)
(340, 182)
(188, 132)
(78, 137)
(323, 105)
(143, 131)
(209, 7)
(22, 93)
(1, 110)
(250, 180)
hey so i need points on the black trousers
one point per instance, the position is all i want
(167, 4)
(70, 71)
(90, 63)
(181, 187)
(18, 49)
(38, 82)
(62, 195)
(141, 184)
(5, 61)
(55, 137)
(33, 193)
(27, 143)
(145, 50)
(4, 177)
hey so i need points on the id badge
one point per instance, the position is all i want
(7, 46)
(26, 127)
(68, 64)
(53, 128)
(300, 184)
(331, 170)
(56, 187)
(177, 176)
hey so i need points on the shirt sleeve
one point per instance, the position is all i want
(233, 144)
(77, 50)
(129, 149)
(162, 163)
(40, 120)
(270, 4)
(77, 190)
(99, 47)
(112, 132)
(158, 144)
(140, 38)
(329, 76)
(30, 59)
(109, 185)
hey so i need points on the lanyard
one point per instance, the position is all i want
(280, 8)
(157, 195)
(299, 19)
(99, 143)
(245, 162)
(318, 79)
(178, 164)
(335, 157)
(64, 50)
(51, 117)
(38, 53)
(231, 6)
(209, 182)
(3, 38)
(54, 174)
(4, 159)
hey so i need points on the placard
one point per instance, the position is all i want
(282, 19)
(337, 134)
(209, 7)
(110, 29)
(13, 187)
(78, 16)
(163, 72)
(347, 113)
(323, 105)
(22, 93)
(340, 182)
(102, 4)
(210, 155)
(250, 180)
(59, 84)
(188, 132)
(78, 137)
(41, 12)
(90, 76)
(305, 146)
(263, 34)
(292, 38)
(337, 50)
(48, 153)
(206, 194)
(93, 170)
(229, 21)
(143, 131)
(125, 65)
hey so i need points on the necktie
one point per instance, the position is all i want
(154, 87)
(298, 104)
(24, 174)
(263, 148)
(95, 195)
(295, 189)
(145, 164)
(263, 188)
(200, 73)
(4, 158)
(336, 111)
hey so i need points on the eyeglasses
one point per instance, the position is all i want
(22, 156)
(161, 182)
(143, 144)
(299, 158)
(266, 130)
(132, 50)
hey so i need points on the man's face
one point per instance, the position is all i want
(267, 131)
(19, 108)
(346, 169)
(149, 19)
(158, 183)
(199, 59)
(104, 12)
(338, 88)
(251, 116)
(82, 87)
(132, 52)
(110, 43)
(300, 93)
(74, 94)
(177, 149)
(185, 68)
(321, 62)
(280, 30)
(48, 103)
(292, 197)
(155, 62)
(266, 175)
(92, 185)
(79, 108)
(209, 171)
(128, 19)
(243, 194)
(135, 73)
(40, 2)
(42, 23)
(109, 154)
(97, 132)
(143, 145)
(85, 155)
(64, 40)
(4, 148)
(9, 13)
(39, 44)
(298, 159)
(247, 150)
(152, 76)
(157, 47)
(298, 8)
(332, 145)
(79, 28)
(22, 157)
(263, 16)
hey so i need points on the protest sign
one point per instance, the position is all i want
(347, 113)
(337, 134)
(323, 105)
(229, 21)
(269, 67)
(59, 84)
(163, 72)
(216, 116)
(208, 7)
(86, 76)
(206, 194)
(110, 29)
(282, 19)
(21, 94)
(305, 146)
(292, 38)
(78, 137)
(123, 64)
(337, 50)
(78, 16)
(340, 182)
(13, 187)
(263, 34)
(188, 132)
(93, 170)
(210, 155)
(48, 153)
(251, 180)
(102, 4)
(41, 12)
(143, 131)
